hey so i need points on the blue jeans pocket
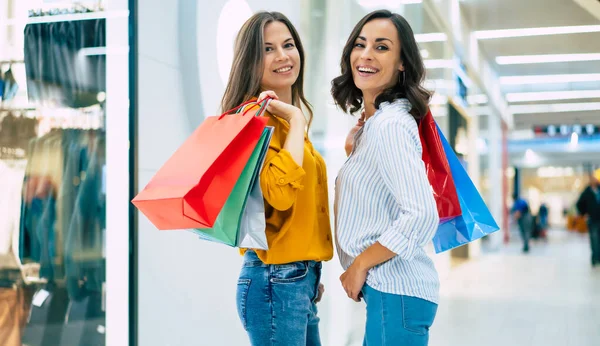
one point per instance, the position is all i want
(290, 272)
(417, 314)
(241, 298)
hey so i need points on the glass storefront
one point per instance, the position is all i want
(64, 172)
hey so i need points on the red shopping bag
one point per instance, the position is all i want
(190, 189)
(438, 170)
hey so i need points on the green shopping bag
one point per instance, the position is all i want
(225, 229)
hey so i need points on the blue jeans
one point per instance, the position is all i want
(276, 303)
(397, 320)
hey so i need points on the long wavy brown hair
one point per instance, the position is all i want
(248, 64)
(350, 98)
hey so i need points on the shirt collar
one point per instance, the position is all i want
(401, 104)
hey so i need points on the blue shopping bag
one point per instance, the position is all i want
(476, 220)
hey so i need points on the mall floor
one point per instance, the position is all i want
(549, 297)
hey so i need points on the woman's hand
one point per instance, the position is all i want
(349, 146)
(353, 281)
(285, 111)
(321, 291)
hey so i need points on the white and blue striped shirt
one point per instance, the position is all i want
(382, 194)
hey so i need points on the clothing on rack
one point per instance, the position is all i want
(8, 84)
(62, 228)
(63, 213)
(12, 173)
(58, 69)
(16, 131)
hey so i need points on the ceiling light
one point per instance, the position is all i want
(438, 63)
(386, 3)
(424, 53)
(552, 95)
(547, 79)
(438, 100)
(557, 30)
(548, 58)
(439, 84)
(431, 37)
(531, 157)
(574, 141)
(477, 99)
(555, 108)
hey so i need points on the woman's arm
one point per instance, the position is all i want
(282, 173)
(403, 172)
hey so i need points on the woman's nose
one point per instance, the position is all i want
(281, 55)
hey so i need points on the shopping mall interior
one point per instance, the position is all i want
(96, 95)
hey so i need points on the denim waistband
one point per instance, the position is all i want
(251, 260)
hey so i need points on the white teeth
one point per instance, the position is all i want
(284, 69)
(366, 69)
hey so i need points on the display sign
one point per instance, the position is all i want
(565, 130)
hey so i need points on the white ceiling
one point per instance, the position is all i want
(520, 14)
(517, 14)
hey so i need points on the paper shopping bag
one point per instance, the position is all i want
(475, 221)
(252, 233)
(190, 189)
(438, 170)
(227, 225)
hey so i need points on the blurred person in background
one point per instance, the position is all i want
(543, 219)
(588, 205)
(385, 212)
(522, 215)
(278, 288)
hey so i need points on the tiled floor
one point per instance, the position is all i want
(549, 297)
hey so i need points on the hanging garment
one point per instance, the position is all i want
(84, 255)
(59, 69)
(11, 181)
(40, 233)
(10, 86)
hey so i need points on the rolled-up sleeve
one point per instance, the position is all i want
(403, 172)
(281, 178)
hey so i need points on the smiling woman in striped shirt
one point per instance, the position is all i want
(385, 210)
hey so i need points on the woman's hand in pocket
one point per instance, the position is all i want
(321, 291)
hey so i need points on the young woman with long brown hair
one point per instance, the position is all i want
(278, 287)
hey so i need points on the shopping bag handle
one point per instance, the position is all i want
(268, 98)
(263, 107)
(234, 109)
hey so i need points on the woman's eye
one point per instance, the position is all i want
(289, 45)
(359, 45)
(268, 49)
(382, 48)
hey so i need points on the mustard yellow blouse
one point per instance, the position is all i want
(296, 203)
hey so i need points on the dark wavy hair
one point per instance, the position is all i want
(350, 99)
(247, 68)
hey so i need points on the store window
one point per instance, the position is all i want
(64, 172)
